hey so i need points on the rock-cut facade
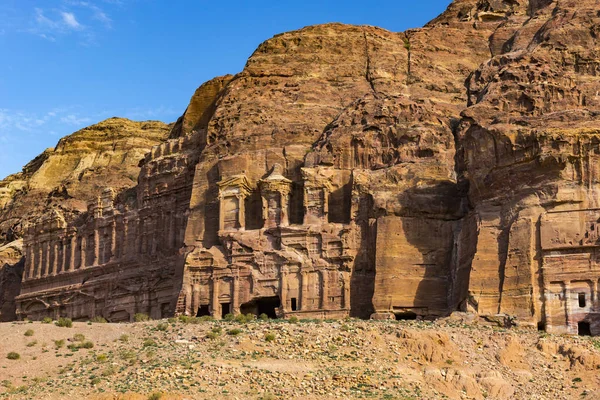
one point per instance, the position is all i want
(353, 171)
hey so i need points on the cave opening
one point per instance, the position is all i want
(583, 328)
(405, 316)
(263, 305)
(203, 310)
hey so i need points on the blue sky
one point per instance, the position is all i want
(66, 64)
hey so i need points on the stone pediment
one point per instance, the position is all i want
(233, 183)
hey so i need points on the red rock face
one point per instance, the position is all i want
(354, 171)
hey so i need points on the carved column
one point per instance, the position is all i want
(54, 265)
(215, 306)
(325, 289)
(113, 240)
(346, 278)
(96, 245)
(64, 261)
(283, 289)
(48, 259)
(73, 249)
(38, 271)
(235, 298)
(195, 299)
(568, 305)
(304, 292)
(188, 300)
(83, 252)
(28, 263)
(595, 294)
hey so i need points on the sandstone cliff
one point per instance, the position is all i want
(349, 170)
(77, 170)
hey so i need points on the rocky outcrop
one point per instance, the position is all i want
(349, 170)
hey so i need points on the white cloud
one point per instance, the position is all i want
(70, 20)
(73, 119)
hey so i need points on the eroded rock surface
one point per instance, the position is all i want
(349, 170)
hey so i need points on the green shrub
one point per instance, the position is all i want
(141, 317)
(29, 332)
(13, 356)
(124, 338)
(64, 323)
(293, 320)
(47, 320)
(206, 318)
(79, 337)
(95, 380)
(212, 335)
(163, 326)
(263, 317)
(101, 357)
(269, 337)
(241, 318)
(31, 344)
(59, 343)
(99, 320)
(229, 317)
(86, 345)
(185, 319)
(234, 332)
(149, 343)
(172, 320)
(155, 396)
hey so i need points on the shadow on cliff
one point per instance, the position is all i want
(10, 286)
(437, 222)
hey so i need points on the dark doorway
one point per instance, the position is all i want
(264, 305)
(294, 304)
(203, 310)
(225, 309)
(581, 298)
(541, 326)
(403, 316)
(583, 328)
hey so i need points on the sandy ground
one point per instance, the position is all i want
(304, 360)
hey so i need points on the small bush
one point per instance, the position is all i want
(163, 326)
(172, 320)
(59, 343)
(234, 332)
(212, 335)
(13, 356)
(64, 323)
(86, 345)
(141, 317)
(241, 318)
(263, 317)
(229, 317)
(269, 337)
(155, 396)
(47, 320)
(205, 318)
(149, 343)
(29, 332)
(31, 344)
(95, 380)
(99, 320)
(109, 371)
(293, 320)
(101, 357)
(79, 337)
(124, 338)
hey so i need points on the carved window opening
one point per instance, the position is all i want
(339, 205)
(581, 299)
(294, 304)
(584, 329)
(253, 210)
(296, 216)
(405, 316)
(203, 310)
(231, 213)
(225, 309)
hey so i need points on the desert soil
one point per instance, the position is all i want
(171, 359)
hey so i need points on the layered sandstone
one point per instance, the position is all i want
(349, 170)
